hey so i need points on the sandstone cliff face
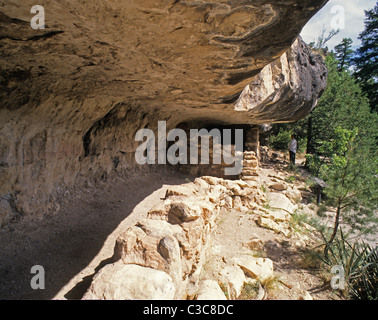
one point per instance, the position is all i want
(73, 95)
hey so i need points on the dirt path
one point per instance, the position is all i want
(72, 243)
(292, 280)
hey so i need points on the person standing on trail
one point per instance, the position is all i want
(292, 149)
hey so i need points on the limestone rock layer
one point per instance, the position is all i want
(73, 95)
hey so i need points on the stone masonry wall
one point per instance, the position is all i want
(162, 256)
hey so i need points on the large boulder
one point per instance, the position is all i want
(119, 281)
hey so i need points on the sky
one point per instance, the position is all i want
(346, 15)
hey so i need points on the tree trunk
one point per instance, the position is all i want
(336, 225)
(309, 147)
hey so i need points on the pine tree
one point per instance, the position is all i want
(342, 104)
(366, 60)
(344, 137)
(344, 54)
(352, 186)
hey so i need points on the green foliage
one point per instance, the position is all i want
(344, 105)
(366, 60)
(280, 141)
(314, 163)
(290, 179)
(351, 177)
(342, 133)
(342, 139)
(344, 54)
(363, 278)
(296, 221)
(360, 265)
(249, 291)
(280, 135)
(322, 209)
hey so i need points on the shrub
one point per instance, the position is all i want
(280, 141)
(360, 264)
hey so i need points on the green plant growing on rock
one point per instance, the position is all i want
(290, 179)
(271, 286)
(249, 291)
(296, 219)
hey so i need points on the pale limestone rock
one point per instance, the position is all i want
(280, 201)
(242, 184)
(154, 244)
(276, 215)
(160, 210)
(136, 247)
(237, 203)
(216, 193)
(252, 184)
(308, 227)
(184, 210)
(191, 239)
(210, 290)
(180, 190)
(249, 175)
(169, 248)
(260, 268)
(212, 180)
(237, 191)
(268, 223)
(278, 186)
(272, 225)
(293, 194)
(250, 155)
(228, 202)
(277, 175)
(201, 183)
(158, 228)
(234, 277)
(119, 281)
(250, 163)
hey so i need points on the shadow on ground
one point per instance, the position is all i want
(66, 242)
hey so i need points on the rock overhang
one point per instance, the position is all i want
(73, 95)
(192, 58)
